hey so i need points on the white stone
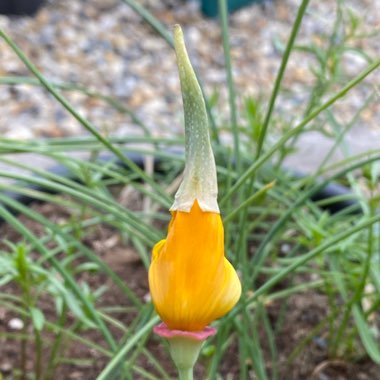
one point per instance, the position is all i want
(16, 324)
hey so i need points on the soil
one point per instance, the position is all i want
(303, 313)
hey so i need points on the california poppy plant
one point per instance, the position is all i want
(191, 281)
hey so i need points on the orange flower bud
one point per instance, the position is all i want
(191, 281)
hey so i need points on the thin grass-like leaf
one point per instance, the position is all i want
(6, 215)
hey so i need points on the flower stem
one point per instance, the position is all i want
(185, 373)
(184, 352)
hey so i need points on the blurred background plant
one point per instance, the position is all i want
(77, 239)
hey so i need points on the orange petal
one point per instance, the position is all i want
(190, 280)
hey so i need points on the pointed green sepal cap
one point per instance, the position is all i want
(199, 180)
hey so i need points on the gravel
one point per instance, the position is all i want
(104, 46)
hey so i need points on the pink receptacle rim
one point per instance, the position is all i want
(164, 331)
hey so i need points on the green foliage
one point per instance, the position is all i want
(282, 243)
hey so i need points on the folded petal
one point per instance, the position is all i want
(191, 281)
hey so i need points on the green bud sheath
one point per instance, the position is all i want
(199, 181)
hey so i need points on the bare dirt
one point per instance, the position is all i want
(301, 314)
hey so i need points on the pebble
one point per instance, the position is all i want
(285, 248)
(16, 324)
(5, 368)
(147, 297)
(105, 46)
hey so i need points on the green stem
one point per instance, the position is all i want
(280, 75)
(230, 81)
(185, 373)
(23, 348)
(241, 248)
(38, 355)
(359, 291)
(184, 352)
(57, 345)
(281, 142)
(151, 20)
(247, 202)
(119, 356)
